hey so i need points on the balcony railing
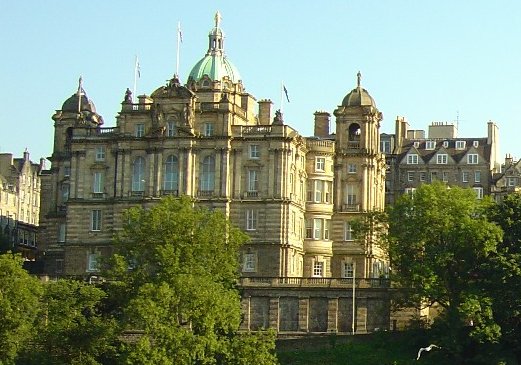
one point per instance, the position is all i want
(257, 129)
(170, 192)
(314, 282)
(98, 195)
(205, 193)
(350, 208)
(251, 194)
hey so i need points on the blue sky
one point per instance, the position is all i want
(425, 60)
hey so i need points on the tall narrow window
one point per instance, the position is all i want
(254, 151)
(477, 176)
(350, 195)
(319, 190)
(95, 220)
(170, 129)
(249, 264)
(320, 164)
(207, 181)
(61, 232)
(208, 129)
(317, 223)
(97, 187)
(348, 232)
(309, 228)
(251, 220)
(170, 178)
(138, 174)
(253, 180)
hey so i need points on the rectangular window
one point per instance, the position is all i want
(475, 144)
(511, 181)
(320, 164)
(170, 129)
(66, 171)
(319, 190)
(98, 182)
(317, 228)
(208, 129)
(385, 146)
(465, 176)
(477, 176)
(460, 145)
(348, 232)
(95, 220)
(430, 145)
(410, 176)
(318, 269)
(347, 270)
(327, 228)
(410, 191)
(441, 159)
(254, 151)
(445, 175)
(100, 153)
(253, 180)
(479, 192)
(293, 223)
(139, 130)
(61, 232)
(59, 266)
(310, 190)
(327, 193)
(351, 168)
(309, 228)
(249, 264)
(472, 159)
(251, 220)
(423, 176)
(350, 195)
(434, 175)
(412, 159)
(92, 264)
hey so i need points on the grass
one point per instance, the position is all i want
(379, 349)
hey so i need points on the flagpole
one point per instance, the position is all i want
(282, 96)
(178, 41)
(136, 65)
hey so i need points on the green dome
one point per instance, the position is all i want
(216, 67)
(215, 64)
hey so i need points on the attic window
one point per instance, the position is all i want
(206, 83)
(445, 144)
(475, 143)
(460, 145)
(416, 144)
(430, 145)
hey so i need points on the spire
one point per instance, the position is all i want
(358, 78)
(80, 93)
(216, 38)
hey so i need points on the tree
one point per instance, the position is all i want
(439, 241)
(175, 270)
(72, 329)
(504, 273)
(19, 299)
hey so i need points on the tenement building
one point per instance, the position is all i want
(19, 203)
(413, 158)
(297, 197)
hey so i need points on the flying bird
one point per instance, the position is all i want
(428, 348)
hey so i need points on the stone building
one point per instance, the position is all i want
(210, 139)
(413, 158)
(507, 180)
(20, 202)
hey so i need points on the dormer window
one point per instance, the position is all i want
(460, 145)
(416, 144)
(475, 144)
(430, 145)
(170, 129)
(446, 144)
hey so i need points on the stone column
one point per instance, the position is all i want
(274, 313)
(332, 315)
(303, 315)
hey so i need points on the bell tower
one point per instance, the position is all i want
(359, 183)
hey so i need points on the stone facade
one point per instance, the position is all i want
(414, 159)
(20, 202)
(209, 139)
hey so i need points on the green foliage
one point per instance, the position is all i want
(440, 240)
(176, 269)
(19, 298)
(72, 329)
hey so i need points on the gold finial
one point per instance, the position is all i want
(359, 78)
(218, 18)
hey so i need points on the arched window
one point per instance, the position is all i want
(207, 176)
(171, 173)
(354, 132)
(138, 174)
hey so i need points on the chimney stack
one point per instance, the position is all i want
(265, 112)
(322, 124)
